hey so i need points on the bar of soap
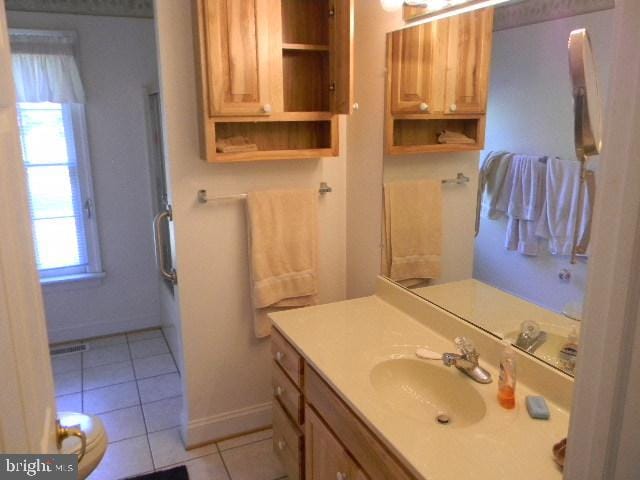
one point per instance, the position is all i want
(537, 407)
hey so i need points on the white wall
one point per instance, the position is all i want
(530, 111)
(366, 159)
(117, 58)
(227, 371)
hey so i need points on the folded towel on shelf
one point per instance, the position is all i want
(235, 144)
(412, 230)
(450, 137)
(560, 207)
(490, 181)
(283, 243)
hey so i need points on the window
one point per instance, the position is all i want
(57, 169)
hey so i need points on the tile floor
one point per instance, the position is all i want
(131, 382)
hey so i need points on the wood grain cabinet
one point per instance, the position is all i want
(315, 434)
(272, 77)
(437, 79)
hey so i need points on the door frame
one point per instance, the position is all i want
(27, 402)
(598, 447)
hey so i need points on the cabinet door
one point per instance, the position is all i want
(469, 55)
(325, 457)
(341, 53)
(418, 56)
(242, 42)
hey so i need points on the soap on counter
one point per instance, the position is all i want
(537, 407)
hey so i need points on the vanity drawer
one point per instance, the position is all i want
(287, 357)
(376, 461)
(288, 443)
(288, 395)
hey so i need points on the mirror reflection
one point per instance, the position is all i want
(506, 265)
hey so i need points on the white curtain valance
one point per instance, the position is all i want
(44, 67)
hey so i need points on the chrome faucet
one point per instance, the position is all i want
(466, 361)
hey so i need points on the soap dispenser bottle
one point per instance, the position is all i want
(569, 351)
(507, 380)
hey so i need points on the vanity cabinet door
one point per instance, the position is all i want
(243, 51)
(325, 457)
(469, 57)
(418, 57)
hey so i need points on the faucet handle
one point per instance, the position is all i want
(465, 345)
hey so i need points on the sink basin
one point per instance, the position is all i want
(423, 391)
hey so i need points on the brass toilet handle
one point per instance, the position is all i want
(63, 433)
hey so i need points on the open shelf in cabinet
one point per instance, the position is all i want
(302, 22)
(279, 139)
(306, 80)
(414, 135)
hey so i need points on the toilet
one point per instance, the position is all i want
(96, 435)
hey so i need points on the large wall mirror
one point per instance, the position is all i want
(515, 278)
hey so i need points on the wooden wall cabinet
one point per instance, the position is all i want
(315, 434)
(437, 79)
(275, 73)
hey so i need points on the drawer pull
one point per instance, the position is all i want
(281, 445)
(279, 356)
(341, 476)
(424, 107)
(279, 391)
(453, 107)
(266, 108)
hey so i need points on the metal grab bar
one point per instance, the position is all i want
(169, 275)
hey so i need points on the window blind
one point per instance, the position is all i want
(55, 199)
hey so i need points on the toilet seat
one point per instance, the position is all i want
(96, 440)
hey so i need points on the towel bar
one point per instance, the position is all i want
(460, 179)
(204, 198)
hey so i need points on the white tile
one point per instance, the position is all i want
(144, 335)
(109, 398)
(124, 423)
(104, 375)
(152, 366)
(167, 448)
(162, 414)
(100, 342)
(124, 459)
(69, 403)
(66, 363)
(245, 439)
(207, 468)
(160, 387)
(105, 355)
(255, 461)
(70, 382)
(148, 348)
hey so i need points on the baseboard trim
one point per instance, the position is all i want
(228, 424)
(88, 330)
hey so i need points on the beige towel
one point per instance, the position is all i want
(412, 230)
(283, 243)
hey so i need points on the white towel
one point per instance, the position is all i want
(558, 220)
(528, 177)
(490, 181)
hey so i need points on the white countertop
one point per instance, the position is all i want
(343, 341)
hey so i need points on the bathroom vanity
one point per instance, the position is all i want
(352, 401)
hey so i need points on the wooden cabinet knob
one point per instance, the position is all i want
(453, 107)
(356, 106)
(279, 356)
(424, 107)
(266, 108)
